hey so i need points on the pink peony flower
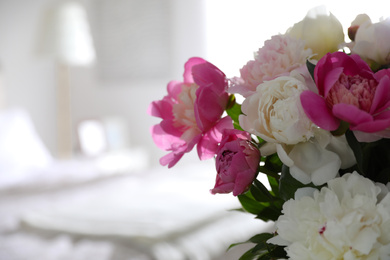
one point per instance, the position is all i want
(191, 113)
(237, 162)
(349, 91)
(279, 56)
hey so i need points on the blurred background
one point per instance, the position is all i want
(78, 76)
(139, 46)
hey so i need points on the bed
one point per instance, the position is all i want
(85, 209)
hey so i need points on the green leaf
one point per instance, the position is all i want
(264, 250)
(288, 185)
(249, 203)
(356, 148)
(310, 67)
(278, 252)
(260, 192)
(249, 255)
(272, 166)
(373, 159)
(270, 213)
(234, 110)
(261, 238)
(273, 182)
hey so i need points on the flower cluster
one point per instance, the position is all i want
(315, 118)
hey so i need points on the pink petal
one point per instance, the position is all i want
(188, 68)
(174, 89)
(382, 73)
(208, 145)
(351, 114)
(360, 64)
(381, 99)
(331, 79)
(380, 123)
(164, 140)
(243, 180)
(372, 127)
(170, 159)
(222, 188)
(317, 111)
(168, 127)
(161, 109)
(383, 115)
(320, 71)
(367, 137)
(207, 74)
(208, 107)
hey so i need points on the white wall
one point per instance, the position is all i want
(27, 80)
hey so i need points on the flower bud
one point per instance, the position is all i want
(237, 163)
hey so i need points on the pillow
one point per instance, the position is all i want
(21, 149)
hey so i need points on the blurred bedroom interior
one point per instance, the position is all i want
(79, 173)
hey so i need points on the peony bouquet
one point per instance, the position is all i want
(314, 118)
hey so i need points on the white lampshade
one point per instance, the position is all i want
(66, 34)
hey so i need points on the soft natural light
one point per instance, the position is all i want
(236, 29)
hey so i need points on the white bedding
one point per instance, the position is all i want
(158, 214)
(109, 207)
(155, 211)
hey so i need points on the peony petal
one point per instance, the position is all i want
(378, 123)
(208, 144)
(372, 127)
(320, 72)
(317, 111)
(242, 180)
(313, 163)
(268, 149)
(351, 114)
(223, 188)
(331, 79)
(366, 137)
(381, 99)
(207, 74)
(188, 68)
(328, 171)
(283, 151)
(339, 145)
(170, 159)
(359, 63)
(161, 109)
(300, 175)
(174, 88)
(304, 192)
(209, 107)
(164, 140)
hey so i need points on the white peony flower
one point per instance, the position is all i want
(317, 160)
(274, 112)
(321, 31)
(345, 220)
(372, 40)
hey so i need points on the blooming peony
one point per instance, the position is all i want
(279, 55)
(237, 162)
(317, 160)
(348, 219)
(371, 41)
(274, 112)
(349, 91)
(320, 30)
(191, 113)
